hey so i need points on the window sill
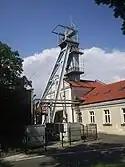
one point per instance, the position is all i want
(123, 124)
(92, 124)
(107, 124)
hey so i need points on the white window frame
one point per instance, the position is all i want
(123, 115)
(107, 116)
(92, 117)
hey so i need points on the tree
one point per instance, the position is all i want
(15, 99)
(118, 7)
(11, 67)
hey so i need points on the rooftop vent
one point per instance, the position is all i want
(95, 94)
(121, 88)
(108, 91)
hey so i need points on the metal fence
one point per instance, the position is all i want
(90, 131)
(70, 132)
(21, 138)
(35, 136)
(43, 136)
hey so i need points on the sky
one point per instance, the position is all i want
(27, 26)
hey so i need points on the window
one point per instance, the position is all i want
(123, 112)
(92, 117)
(107, 117)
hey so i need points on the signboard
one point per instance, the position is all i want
(43, 108)
(35, 135)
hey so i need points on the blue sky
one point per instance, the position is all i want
(26, 25)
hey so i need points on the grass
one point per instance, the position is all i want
(109, 165)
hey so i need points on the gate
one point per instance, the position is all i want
(52, 132)
(90, 131)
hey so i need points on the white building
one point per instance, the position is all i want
(71, 90)
(100, 103)
(105, 106)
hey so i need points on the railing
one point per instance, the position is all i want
(75, 49)
(75, 69)
(61, 39)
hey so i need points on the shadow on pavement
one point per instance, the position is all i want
(81, 155)
(75, 148)
(5, 164)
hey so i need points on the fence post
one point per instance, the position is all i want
(46, 138)
(0, 150)
(86, 130)
(70, 135)
(96, 132)
(26, 141)
(83, 130)
(62, 138)
(45, 145)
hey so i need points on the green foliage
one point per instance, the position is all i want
(11, 67)
(16, 111)
(118, 7)
(109, 165)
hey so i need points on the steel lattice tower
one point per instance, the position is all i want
(68, 59)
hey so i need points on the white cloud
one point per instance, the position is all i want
(98, 64)
(38, 68)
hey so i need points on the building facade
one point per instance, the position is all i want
(105, 106)
(71, 90)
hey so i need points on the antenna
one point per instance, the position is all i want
(71, 22)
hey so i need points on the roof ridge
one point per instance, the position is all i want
(100, 82)
(116, 82)
(86, 80)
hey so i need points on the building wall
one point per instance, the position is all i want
(71, 93)
(116, 125)
(59, 107)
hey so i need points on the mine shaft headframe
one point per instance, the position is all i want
(66, 33)
(61, 28)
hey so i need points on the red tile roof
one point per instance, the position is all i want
(86, 83)
(107, 92)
